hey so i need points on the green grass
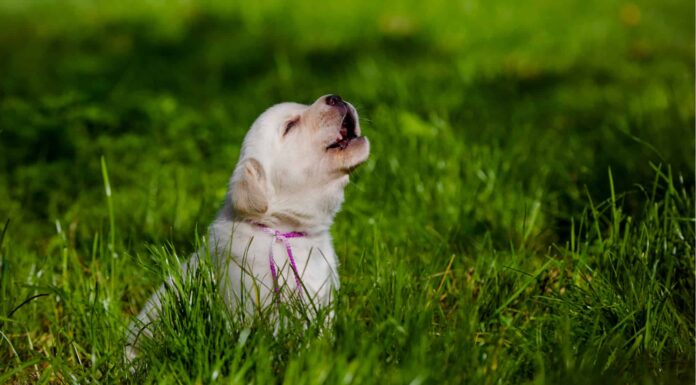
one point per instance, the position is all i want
(526, 216)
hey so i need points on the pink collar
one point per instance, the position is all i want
(285, 238)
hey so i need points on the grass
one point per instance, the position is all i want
(526, 216)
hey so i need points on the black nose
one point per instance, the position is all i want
(333, 100)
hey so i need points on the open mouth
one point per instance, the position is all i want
(347, 132)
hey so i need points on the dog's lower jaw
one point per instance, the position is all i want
(354, 155)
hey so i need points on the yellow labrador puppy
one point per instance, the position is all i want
(271, 239)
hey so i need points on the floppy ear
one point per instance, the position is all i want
(248, 189)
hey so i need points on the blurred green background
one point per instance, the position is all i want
(493, 124)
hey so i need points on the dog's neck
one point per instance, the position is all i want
(286, 224)
(307, 210)
(311, 214)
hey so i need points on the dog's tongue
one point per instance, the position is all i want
(343, 132)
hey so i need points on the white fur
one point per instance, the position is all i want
(288, 182)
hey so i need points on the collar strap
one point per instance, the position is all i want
(279, 236)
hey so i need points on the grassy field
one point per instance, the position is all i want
(526, 216)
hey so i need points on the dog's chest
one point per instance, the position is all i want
(251, 255)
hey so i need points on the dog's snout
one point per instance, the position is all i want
(334, 100)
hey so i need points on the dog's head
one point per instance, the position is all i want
(295, 163)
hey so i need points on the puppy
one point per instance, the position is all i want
(271, 239)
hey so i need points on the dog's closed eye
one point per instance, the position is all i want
(289, 125)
